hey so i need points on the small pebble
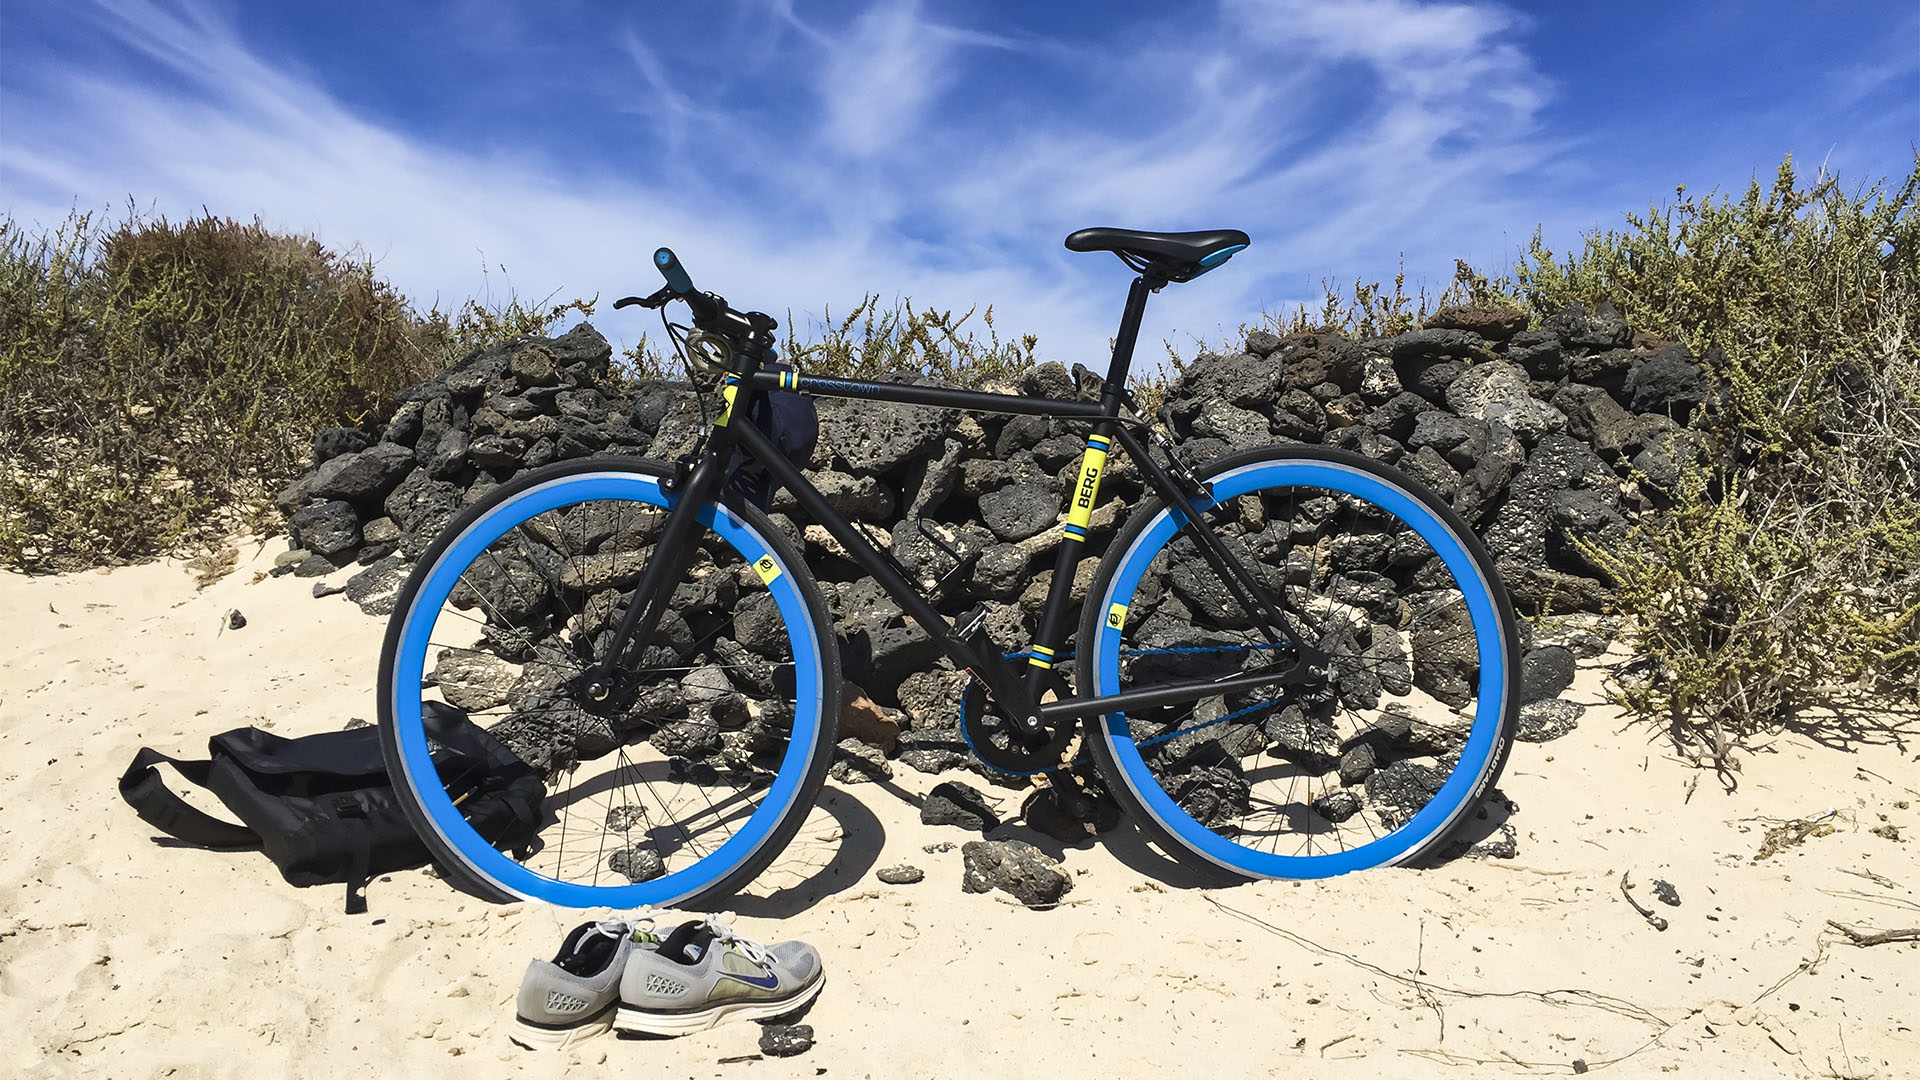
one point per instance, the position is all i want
(1666, 893)
(902, 875)
(235, 620)
(935, 849)
(321, 589)
(786, 1040)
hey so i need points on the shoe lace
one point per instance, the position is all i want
(641, 928)
(726, 935)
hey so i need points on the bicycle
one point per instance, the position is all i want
(1292, 661)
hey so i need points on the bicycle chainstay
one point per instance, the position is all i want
(1084, 757)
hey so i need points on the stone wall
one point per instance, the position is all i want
(1539, 438)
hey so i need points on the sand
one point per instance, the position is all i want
(123, 957)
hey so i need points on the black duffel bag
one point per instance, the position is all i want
(321, 806)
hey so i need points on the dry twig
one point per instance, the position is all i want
(1871, 936)
(1646, 913)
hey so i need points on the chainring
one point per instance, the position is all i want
(989, 733)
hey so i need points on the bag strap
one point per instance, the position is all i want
(140, 785)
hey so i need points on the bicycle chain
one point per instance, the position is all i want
(1157, 739)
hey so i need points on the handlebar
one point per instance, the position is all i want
(710, 312)
(670, 268)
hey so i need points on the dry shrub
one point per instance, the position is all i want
(158, 380)
(1786, 576)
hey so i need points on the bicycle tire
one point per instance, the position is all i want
(536, 559)
(1156, 612)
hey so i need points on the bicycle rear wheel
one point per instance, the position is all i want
(684, 782)
(1378, 762)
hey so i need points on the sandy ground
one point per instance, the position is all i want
(122, 957)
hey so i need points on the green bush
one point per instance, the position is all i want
(1787, 574)
(158, 380)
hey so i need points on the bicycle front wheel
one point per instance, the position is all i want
(680, 785)
(1378, 761)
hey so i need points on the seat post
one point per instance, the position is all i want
(1118, 370)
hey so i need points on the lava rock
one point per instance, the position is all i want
(1601, 328)
(1435, 343)
(315, 565)
(1540, 354)
(1544, 721)
(473, 679)
(1495, 322)
(1545, 673)
(954, 803)
(1016, 868)
(872, 438)
(1021, 510)
(636, 863)
(785, 1040)
(364, 477)
(858, 763)
(328, 528)
(1500, 391)
(902, 875)
(377, 587)
(1669, 383)
(333, 442)
(1594, 417)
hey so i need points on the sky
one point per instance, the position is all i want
(798, 155)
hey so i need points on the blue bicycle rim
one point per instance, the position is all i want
(1475, 757)
(502, 870)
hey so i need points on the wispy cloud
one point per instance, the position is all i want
(798, 157)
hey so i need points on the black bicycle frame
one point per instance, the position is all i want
(1018, 698)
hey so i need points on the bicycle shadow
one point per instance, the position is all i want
(803, 876)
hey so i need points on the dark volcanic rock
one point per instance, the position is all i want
(1543, 721)
(1594, 417)
(1545, 673)
(1019, 511)
(332, 442)
(327, 528)
(364, 477)
(376, 587)
(1601, 328)
(858, 763)
(902, 875)
(1493, 322)
(1669, 383)
(1540, 354)
(1016, 868)
(1435, 343)
(785, 1040)
(872, 438)
(954, 803)
(1500, 391)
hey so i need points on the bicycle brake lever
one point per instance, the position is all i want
(657, 300)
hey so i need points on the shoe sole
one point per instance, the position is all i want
(643, 1022)
(537, 1037)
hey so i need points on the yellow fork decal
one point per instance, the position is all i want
(732, 388)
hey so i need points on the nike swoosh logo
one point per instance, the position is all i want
(764, 982)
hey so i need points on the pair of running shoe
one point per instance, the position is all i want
(618, 973)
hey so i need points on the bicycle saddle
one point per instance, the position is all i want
(1175, 256)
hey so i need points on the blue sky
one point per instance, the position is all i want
(798, 154)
